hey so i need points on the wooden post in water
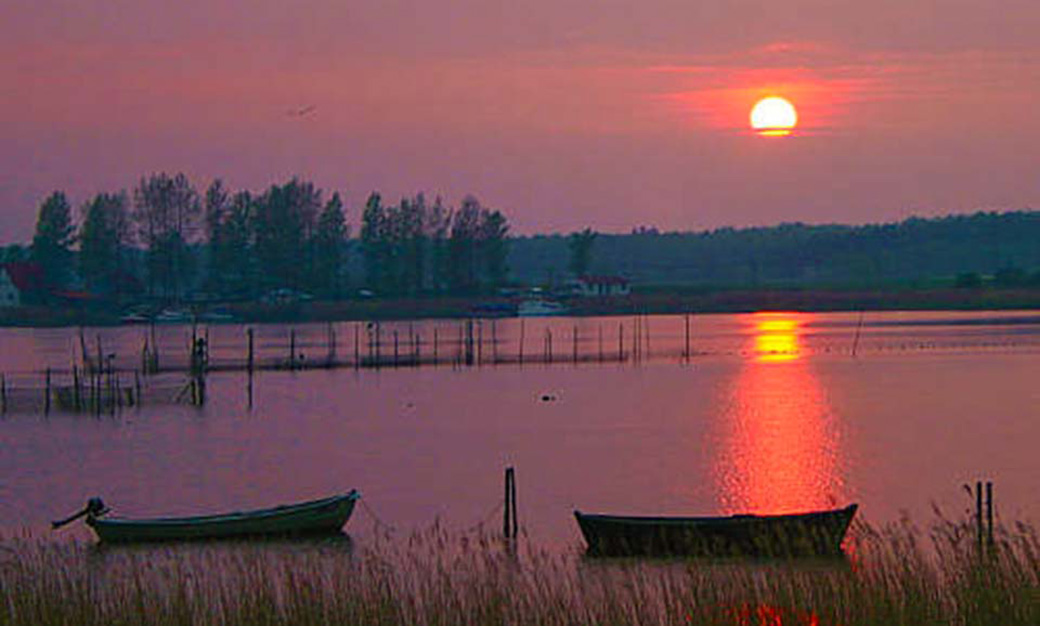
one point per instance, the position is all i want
(395, 349)
(510, 527)
(83, 350)
(379, 340)
(47, 393)
(137, 390)
(249, 371)
(75, 389)
(978, 513)
(330, 357)
(855, 338)
(494, 343)
(469, 341)
(154, 368)
(458, 348)
(548, 346)
(357, 345)
(646, 334)
(3, 394)
(686, 348)
(292, 348)
(435, 346)
(480, 342)
(599, 331)
(621, 342)
(521, 354)
(989, 516)
(97, 393)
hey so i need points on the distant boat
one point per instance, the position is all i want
(494, 309)
(173, 316)
(538, 307)
(817, 533)
(135, 318)
(325, 516)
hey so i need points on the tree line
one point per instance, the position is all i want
(1001, 248)
(165, 239)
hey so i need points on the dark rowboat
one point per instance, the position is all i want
(325, 516)
(817, 533)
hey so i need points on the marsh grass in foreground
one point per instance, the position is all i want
(898, 574)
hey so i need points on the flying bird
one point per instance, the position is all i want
(307, 110)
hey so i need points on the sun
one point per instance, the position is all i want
(773, 117)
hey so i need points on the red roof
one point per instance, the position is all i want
(25, 276)
(75, 296)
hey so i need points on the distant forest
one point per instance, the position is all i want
(1000, 247)
(167, 240)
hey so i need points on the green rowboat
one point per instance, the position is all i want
(324, 516)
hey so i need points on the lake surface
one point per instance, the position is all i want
(770, 412)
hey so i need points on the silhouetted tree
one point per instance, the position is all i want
(104, 234)
(234, 257)
(410, 235)
(284, 220)
(215, 212)
(438, 227)
(52, 242)
(375, 243)
(579, 245)
(166, 211)
(463, 274)
(494, 230)
(330, 243)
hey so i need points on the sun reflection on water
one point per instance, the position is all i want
(780, 450)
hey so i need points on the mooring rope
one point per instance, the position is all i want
(376, 520)
(495, 510)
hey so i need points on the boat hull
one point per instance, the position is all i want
(325, 516)
(540, 308)
(800, 535)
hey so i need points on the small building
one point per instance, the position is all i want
(19, 282)
(601, 286)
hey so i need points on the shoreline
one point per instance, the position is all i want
(658, 302)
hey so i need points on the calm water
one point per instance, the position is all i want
(772, 413)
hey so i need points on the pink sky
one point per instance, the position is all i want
(562, 113)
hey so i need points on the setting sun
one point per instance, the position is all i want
(773, 117)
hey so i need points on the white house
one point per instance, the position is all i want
(601, 286)
(9, 294)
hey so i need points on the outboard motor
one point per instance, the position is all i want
(95, 508)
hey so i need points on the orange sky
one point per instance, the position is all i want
(564, 114)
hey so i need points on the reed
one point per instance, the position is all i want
(898, 574)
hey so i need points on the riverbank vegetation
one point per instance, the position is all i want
(899, 574)
(167, 242)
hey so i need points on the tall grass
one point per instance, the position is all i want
(898, 574)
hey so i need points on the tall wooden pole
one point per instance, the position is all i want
(47, 393)
(521, 352)
(989, 515)
(249, 367)
(686, 349)
(978, 513)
